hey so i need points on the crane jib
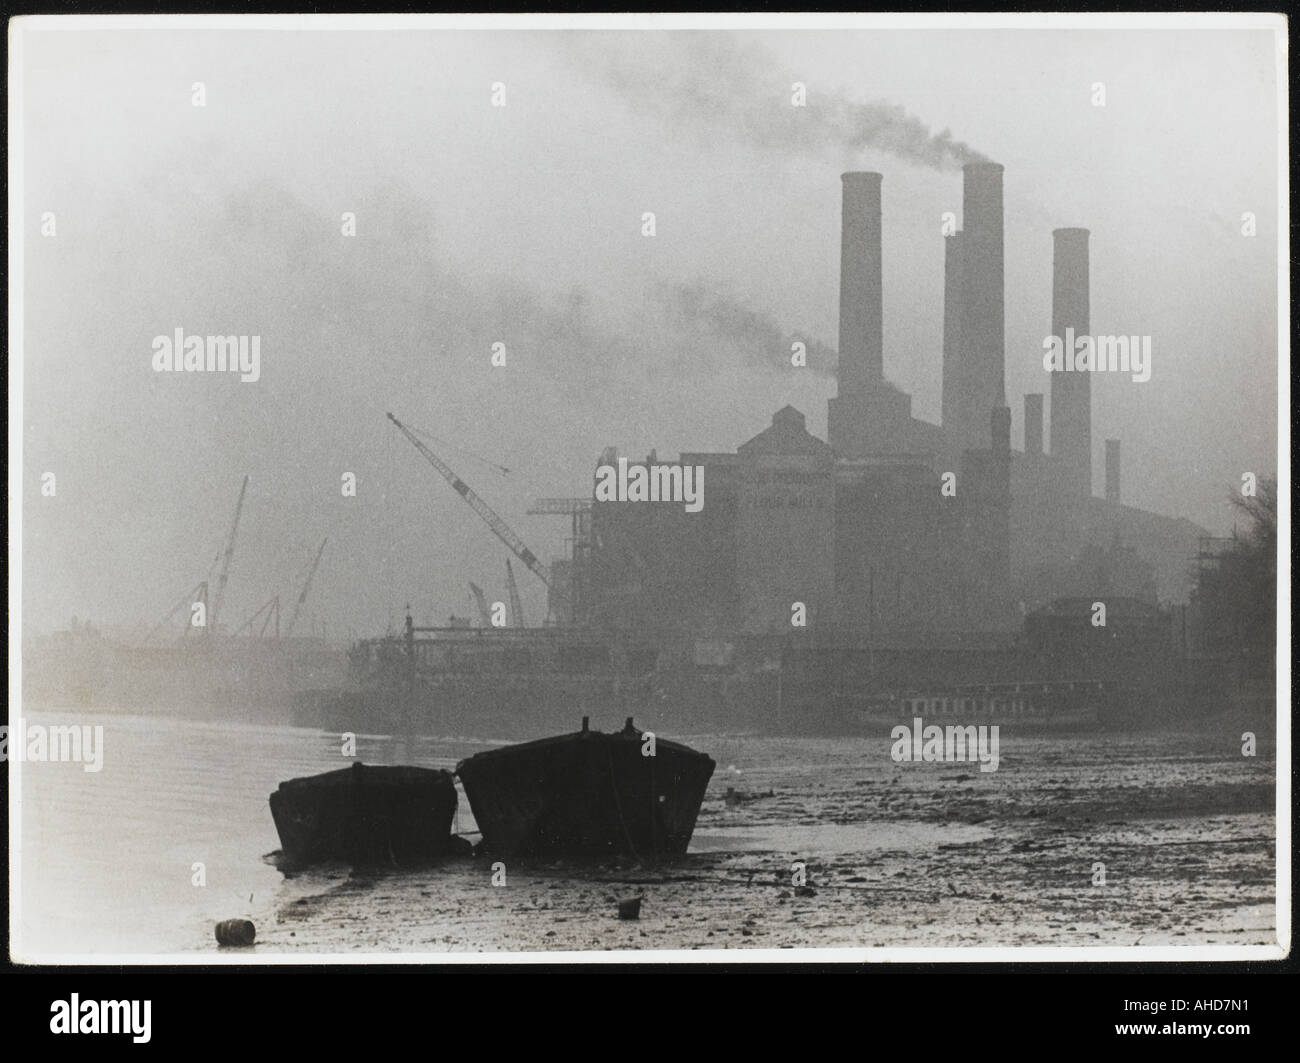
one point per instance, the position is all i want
(499, 527)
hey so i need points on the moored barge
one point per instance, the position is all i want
(588, 794)
(366, 814)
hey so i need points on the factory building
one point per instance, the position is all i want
(894, 527)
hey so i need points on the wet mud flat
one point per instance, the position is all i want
(1087, 840)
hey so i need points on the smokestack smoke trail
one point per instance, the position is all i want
(712, 82)
(752, 332)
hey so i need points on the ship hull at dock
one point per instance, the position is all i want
(1062, 723)
(587, 794)
(515, 683)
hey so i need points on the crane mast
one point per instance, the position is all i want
(516, 607)
(306, 586)
(484, 614)
(225, 561)
(499, 527)
(272, 611)
(198, 594)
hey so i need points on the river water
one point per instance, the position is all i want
(108, 857)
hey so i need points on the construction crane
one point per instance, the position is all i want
(483, 611)
(499, 527)
(516, 607)
(225, 561)
(198, 593)
(272, 611)
(306, 586)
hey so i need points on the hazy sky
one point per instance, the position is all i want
(522, 224)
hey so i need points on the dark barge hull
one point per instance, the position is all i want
(366, 815)
(587, 794)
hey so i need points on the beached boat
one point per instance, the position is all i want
(587, 794)
(366, 814)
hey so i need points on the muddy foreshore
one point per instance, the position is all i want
(919, 855)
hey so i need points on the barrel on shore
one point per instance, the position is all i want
(237, 932)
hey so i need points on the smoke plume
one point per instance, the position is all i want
(747, 333)
(712, 84)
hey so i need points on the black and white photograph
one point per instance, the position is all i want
(656, 488)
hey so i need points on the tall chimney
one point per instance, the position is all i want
(1071, 391)
(1034, 426)
(952, 410)
(861, 354)
(1112, 470)
(1000, 430)
(983, 353)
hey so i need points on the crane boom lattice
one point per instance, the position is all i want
(499, 527)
